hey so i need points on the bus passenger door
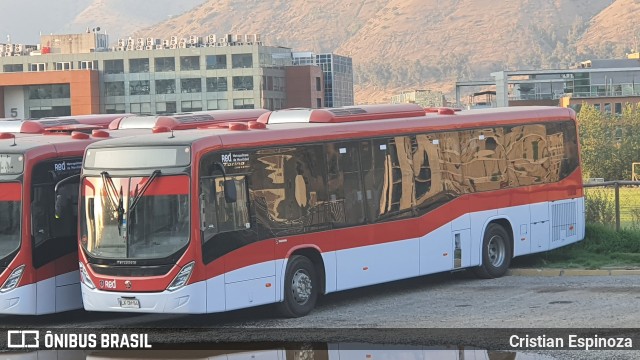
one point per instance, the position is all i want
(54, 235)
(540, 225)
(238, 265)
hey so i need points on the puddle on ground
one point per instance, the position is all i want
(331, 352)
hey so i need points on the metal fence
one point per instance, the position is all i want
(613, 203)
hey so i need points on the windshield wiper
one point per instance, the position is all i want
(112, 194)
(138, 194)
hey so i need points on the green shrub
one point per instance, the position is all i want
(599, 207)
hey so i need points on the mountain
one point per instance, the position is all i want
(399, 44)
(614, 27)
(120, 18)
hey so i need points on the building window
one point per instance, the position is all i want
(87, 65)
(166, 86)
(114, 108)
(242, 83)
(267, 83)
(139, 87)
(194, 105)
(13, 68)
(38, 67)
(61, 66)
(165, 64)
(278, 84)
(56, 91)
(141, 108)
(189, 63)
(168, 107)
(217, 84)
(191, 85)
(318, 84)
(220, 104)
(114, 67)
(318, 103)
(241, 61)
(115, 88)
(596, 106)
(607, 108)
(243, 103)
(139, 65)
(216, 62)
(618, 108)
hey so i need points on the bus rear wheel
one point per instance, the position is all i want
(300, 287)
(496, 252)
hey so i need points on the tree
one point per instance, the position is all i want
(609, 143)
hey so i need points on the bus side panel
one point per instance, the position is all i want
(519, 217)
(216, 294)
(69, 297)
(330, 270)
(564, 222)
(249, 293)
(46, 301)
(375, 264)
(581, 219)
(539, 227)
(436, 251)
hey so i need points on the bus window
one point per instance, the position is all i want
(344, 186)
(224, 226)
(289, 189)
(483, 159)
(373, 155)
(232, 216)
(53, 236)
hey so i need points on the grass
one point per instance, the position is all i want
(602, 247)
(629, 204)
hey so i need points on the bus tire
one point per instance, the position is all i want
(301, 287)
(496, 252)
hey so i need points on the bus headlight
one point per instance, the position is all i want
(182, 277)
(13, 279)
(85, 277)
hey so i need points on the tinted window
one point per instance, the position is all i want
(289, 190)
(54, 236)
(224, 226)
(344, 185)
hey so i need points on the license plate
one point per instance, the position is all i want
(129, 303)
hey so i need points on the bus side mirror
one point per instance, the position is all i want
(230, 195)
(61, 206)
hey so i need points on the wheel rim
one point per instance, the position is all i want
(301, 286)
(496, 250)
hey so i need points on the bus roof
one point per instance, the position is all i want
(66, 141)
(292, 132)
(186, 120)
(41, 125)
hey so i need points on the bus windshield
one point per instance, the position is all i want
(10, 205)
(135, 217)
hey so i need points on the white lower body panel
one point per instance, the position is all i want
(190, 299)
(57, 294)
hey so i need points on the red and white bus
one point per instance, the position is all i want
(39, 179)
(307, 202)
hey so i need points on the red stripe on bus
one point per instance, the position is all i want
(163, 185)
(10, 191)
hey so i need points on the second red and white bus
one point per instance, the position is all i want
(308, 202)
(39, 177)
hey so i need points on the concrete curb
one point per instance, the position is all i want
(572, 272)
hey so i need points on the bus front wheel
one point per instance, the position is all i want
(496, 252)
(300, 287)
